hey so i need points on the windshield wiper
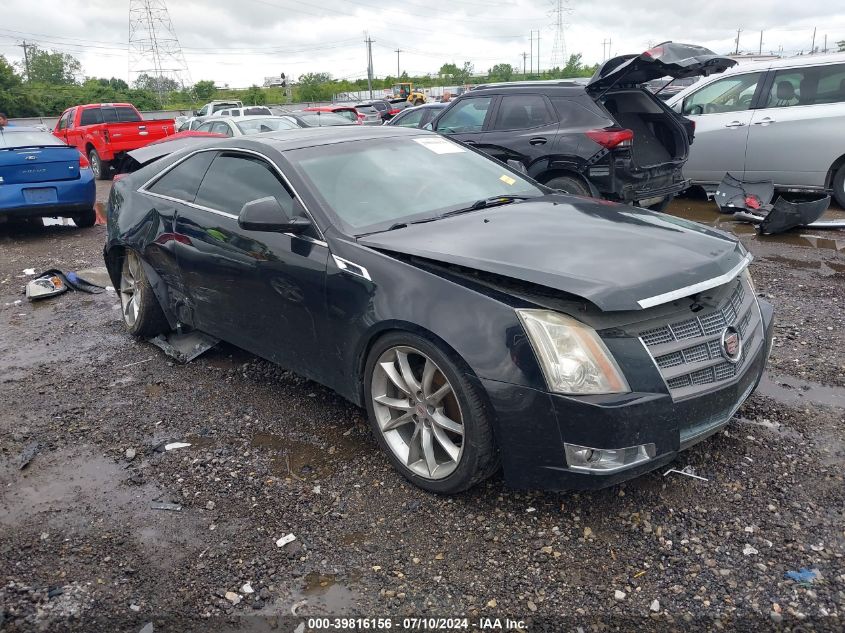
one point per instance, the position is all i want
(486, 203)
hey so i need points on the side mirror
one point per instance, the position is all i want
(266, 214)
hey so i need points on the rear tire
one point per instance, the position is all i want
(436, 432)
(142, 313)
(839, 186)
(85, 220)
(569, 184)
(101, 168)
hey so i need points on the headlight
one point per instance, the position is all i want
(573, 357)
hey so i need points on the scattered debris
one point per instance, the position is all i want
(165, 505)
(804, 575)
(619, 595)
(686, 470)
(184, 347)
(209, 505)
(174, 445)
(147, 628)
(296, 606)
(137, 362)
(130, 454)
(29, 272)
(288, 538)
(654, 606)
(54, 282)
(751, 201)
(134, 607)
(27, 455)
(233, 597)
(247, 588)
(748, 550)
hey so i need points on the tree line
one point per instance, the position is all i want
(51, 81)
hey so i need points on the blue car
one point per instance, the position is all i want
(41, 176)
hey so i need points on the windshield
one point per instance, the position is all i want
(257, 126)
(26, 138)
(371, 185)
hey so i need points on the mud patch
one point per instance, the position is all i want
(793, 391)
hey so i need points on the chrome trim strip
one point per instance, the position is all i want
(190, 204)
(143, 188)
(346, 266)
(686, 291)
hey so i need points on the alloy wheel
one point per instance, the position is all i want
(94, 160)
(417, 412)
(130, 288)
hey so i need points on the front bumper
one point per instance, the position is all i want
(532, 426)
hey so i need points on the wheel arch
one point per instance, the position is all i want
(556, 171)
(837, 164)
(380, 330)
(114, 254)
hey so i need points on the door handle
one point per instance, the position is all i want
(471, 142)
(764, 121)
(735, 124)
(538, 140)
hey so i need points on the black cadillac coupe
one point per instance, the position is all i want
(482, 319)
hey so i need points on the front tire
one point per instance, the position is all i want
(101, 168)
(142, 313)
(428, 418)
(839, 186)
(570, 185)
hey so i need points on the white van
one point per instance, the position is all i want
(781, 120)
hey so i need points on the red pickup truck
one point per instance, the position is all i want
(105, 132)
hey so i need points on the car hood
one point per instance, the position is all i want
(170, 144)
(664, 60)
(615, 256)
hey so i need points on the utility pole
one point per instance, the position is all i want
(738, 31)
(369, 43)
(25, 48)
(538, 52)
(813, 45)
(524, 56)
(760, 52)
(532, 52)
(825, 43)
(605, 53)
(398, 50)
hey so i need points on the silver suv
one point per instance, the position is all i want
(781, 120)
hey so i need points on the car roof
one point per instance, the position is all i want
(563, 86)
(284, 140)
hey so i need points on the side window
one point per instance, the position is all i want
(182, 181)
(109, 115)
(203, 111)
(521, 112)
(465, 116)
(807, 86)
(831, 88)
(411, 119)
(235, 179)
(730, 94)
(63, 121)
(91, 116)
(128, 115)
(219, 127)
(205, 127)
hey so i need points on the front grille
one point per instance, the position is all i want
(688, 351)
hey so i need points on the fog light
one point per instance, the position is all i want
(607, 460)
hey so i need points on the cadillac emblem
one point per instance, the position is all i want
(731, 344)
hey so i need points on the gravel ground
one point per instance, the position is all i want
(83, 547)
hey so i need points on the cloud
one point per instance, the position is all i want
(239, 43)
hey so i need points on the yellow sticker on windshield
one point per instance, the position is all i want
(507, 179)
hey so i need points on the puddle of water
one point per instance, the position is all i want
(292, 457)
(153, 390)
(788, 390)
(324, 595)
(774, 427)
(706, 212)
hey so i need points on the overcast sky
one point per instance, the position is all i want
(240, 42)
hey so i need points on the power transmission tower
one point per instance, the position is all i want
(559, 57)
(154, 49)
